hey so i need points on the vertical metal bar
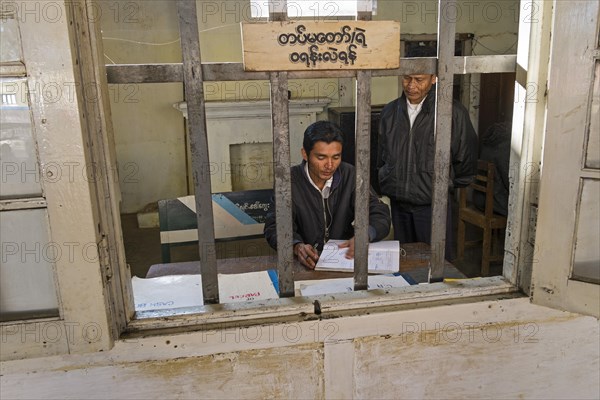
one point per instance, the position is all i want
(362, 157)
(345, 92)
(281, 168)
(443, 128)
(400, 77)
(194, 96)
(361, 206)
(283, 185)
(277, 10)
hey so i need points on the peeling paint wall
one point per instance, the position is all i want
(491, 349)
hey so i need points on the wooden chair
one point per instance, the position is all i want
(487, 220)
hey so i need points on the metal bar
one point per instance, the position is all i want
(345, 96)
(230, 72)
(194, 94)
(483, 64)
(426, 37)
(283, 185)
(281, 168)
(159, 73)
(362, 157)
(443, 127)
(409, 66)
(278, 10)
(361, 202)
(144, 73)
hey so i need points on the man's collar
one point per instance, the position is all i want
(335, 178)
(429, 100)
(418, 105)
(326, 186)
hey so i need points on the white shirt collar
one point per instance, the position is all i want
(326, 188)
(414, 110)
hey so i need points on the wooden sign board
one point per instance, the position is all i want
(325, 45)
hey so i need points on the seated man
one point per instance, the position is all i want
(323, 198)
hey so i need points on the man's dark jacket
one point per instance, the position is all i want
(406, 156)
(308, 210)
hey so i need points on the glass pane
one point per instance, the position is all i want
(10, 50)
(587, 251)
(18, 158)
(592, 157)
(138, 32)
(158, 139)
(27, 288)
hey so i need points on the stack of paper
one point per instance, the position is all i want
(176, 291)
(384, 257)
(343, 285)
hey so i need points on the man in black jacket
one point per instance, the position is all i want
(406, 156)
(323, 198)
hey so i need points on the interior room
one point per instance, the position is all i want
(143, 155)
(161, 130)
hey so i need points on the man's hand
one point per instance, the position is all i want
(307, 255)
(350, 245)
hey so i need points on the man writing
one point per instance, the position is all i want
(406, 151)
(323, 198)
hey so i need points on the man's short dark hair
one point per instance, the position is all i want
(421, 51)
(323, 131)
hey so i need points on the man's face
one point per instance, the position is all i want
(416, 87)
(323, 160)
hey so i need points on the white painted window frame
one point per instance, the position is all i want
(570, 79)
(209, 315)
(85, 290)
(90, 306)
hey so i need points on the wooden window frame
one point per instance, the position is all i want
(561, 183)
(120, 74)
(112, 296)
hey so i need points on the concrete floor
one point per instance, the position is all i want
(142, 248)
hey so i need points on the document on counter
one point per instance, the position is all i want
(384, 257)
(343, 285)
(176, 291)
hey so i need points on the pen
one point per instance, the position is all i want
(315, 246)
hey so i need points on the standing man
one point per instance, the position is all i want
(323, 198)
(406, 156)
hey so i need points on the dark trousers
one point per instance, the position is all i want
(414, 225)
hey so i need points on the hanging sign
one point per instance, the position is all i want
(306, 45)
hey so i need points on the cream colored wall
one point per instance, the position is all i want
(150, 135)
(149, 132)
(489, 349)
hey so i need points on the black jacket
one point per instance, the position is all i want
(405, 159)
(308, 210)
